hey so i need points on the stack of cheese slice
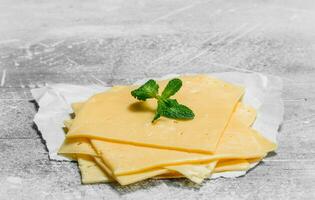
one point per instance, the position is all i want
(112, 137)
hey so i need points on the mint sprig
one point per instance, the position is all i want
(167, 107)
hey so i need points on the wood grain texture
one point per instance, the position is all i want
(117, 42)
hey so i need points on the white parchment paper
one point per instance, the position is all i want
(262, 92)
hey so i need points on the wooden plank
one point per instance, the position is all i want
(117, 42)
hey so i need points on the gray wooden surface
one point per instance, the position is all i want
(112, 42)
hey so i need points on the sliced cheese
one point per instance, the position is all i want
(254, 160)
(212, 100)
(196, 173)
(169, 176)
(127, 159)
(76, 107)
(245, 114)
(266, 144)
(193, 172)
(221, 166)
(237, 142)
(90, 172)
(132, 178)
(82, 149)
(76, 146)
(93, 170)
(232, 165)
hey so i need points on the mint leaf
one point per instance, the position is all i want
(171, 88)
(148, 90)
(157, 113)
(167, 107)
(170, 108)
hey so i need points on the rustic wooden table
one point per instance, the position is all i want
(115, 42)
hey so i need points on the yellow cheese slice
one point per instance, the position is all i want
(188, 170)
(212, 101)
(196, 173)
(125, 159)
(237, 142)
(131, 178)
(192, 172)
(76, 107)
(91, 172)
(69, 148)
(221, 166)
(254, 160)
(169, 176)
(232, 165)
(266, 144)
(80, 149)
(246, 115)
(146, 158)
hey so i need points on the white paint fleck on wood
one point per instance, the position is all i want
(4, 73)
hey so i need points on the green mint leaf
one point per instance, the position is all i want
(157, 115)
(146, 91)
(171, 88)
(170, 108)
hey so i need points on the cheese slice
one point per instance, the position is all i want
(131, 178)
(266, 144)
(232, 165)
(237, 142)
(90, 172)
(212, 100)
(96, 173)
(188, 171)
(69, 148)
(76, 107)
(221, 166)
(93, 170)
(81, 150)
(127, 159)
(244, 114)
(195, 173)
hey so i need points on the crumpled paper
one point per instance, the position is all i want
(262, 92)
